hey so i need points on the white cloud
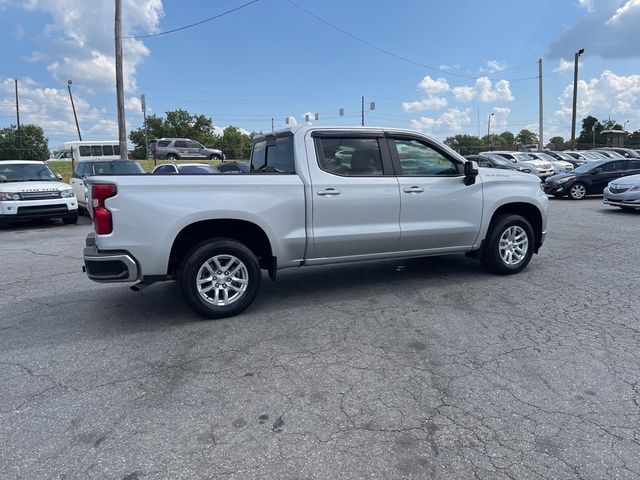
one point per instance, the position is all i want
(612, 95)
(500, 119)
(431, 85)
(133, 104)
(496, 65)
(631, 7)
(80, 39)
(566, 66)
(445, 68)
(50, 108)
(428, 103)
(608, 29)
(451, 121)
(484, 91)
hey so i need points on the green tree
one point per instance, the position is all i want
(458, 142)
(633, 140)
(557, 143)
(177, 123)
(34, 143)
(507, 138)
(527, 137)
(234, 143)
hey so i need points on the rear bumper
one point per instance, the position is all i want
(107, 267)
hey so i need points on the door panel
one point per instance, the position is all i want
(355, 211)
(437, 210)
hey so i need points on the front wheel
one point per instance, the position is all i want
(72, 219)
(509, 245)
(172, 157)
(577, 191)
(215, 156)
(219, 278)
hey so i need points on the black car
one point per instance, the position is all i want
(564, 157)
(590, 178)
(496, 161)
(234, 167)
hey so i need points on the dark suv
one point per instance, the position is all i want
(183, 149)
(590, 178)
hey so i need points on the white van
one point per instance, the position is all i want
(88, 150)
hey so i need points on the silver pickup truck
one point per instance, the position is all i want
(314, 196)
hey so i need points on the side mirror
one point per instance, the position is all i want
(596, 170)
(470, 172)
(59, 176)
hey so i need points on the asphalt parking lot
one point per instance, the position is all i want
(426, 368)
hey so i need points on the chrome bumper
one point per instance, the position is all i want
(107, 267)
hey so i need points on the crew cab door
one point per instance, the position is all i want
(437, 210)
(354, 195)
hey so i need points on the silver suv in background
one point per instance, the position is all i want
(183, 149)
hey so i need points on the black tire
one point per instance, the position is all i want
(492, 257)
(71, 219)
(577, 191)
(173, 157)
(193, 267)
(215, 156)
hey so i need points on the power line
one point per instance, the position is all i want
(399, 57)
(193, 24)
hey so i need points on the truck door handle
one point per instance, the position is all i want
(329, 192)
(414, 189)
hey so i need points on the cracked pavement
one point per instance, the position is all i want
(424, 368)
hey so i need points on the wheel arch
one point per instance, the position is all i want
(526, 210)
(245, 232)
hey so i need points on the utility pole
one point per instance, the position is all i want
(575, 98)
(540, 109)
(122, 133)
(143, 104)
(362, 109)
(18, 132)
(73, 107)
(273, 126)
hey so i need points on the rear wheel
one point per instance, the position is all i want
(578, 191)
(509, 245)
(219, 278)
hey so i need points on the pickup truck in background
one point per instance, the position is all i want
(314, 196)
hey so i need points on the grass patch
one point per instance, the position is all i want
(64, 168)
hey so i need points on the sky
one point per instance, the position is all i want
(438, 67)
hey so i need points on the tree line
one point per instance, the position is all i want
(235, 144)
(591, 135)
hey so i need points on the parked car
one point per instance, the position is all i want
(87, 168)
(587, 155)
(299, 207)
(234, 167)
(590, 178)
(623, 192)
(185, 169)
(625, 152)
(607, 153)
(565, 157)
(184, 149)
(30, 189)
(488, 160)
(539, 167)
(559, 166)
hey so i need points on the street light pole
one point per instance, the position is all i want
(73, 107)
(575, 97)
(624, 127)
(489, 127)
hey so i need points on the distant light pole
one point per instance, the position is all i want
(73, 107)
(624, 127)
(593, 129)
(575, 98)
(489, 127)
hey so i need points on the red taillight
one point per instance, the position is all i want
(101, 216)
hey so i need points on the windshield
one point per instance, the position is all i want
(26, 172)
(564, 156)
(545, 156)
(197, 169)
(497, 159)
(117, 167)
(594, 155)
(587, 167)
(523, 157)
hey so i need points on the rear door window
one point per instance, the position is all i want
(274, 155)
(164, 143)
(352, 157)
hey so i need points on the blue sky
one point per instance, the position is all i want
(440, 67)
